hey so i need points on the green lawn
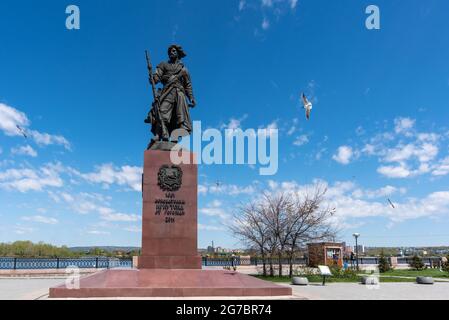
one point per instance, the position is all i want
(414, 273)
(312, 279)
(386, 277)
(318, 279)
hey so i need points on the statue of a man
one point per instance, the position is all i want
(175, 98)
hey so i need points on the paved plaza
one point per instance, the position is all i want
(37, 288)
(26, 288)
(386, 291)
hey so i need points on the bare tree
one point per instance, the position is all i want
(309, 221)
(277, 219)
(277, 225)
(249, 226)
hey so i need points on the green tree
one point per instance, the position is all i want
(417, 263)
(27, 249)
(384, 265)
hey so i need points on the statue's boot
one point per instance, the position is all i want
(153, 141)
(165, 138)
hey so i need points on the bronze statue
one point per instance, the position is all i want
(170, 111)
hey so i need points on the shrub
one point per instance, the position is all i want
(384, 265)
(417, 263)
(341, 273)
(301, 271)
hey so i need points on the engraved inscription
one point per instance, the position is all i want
(170, 207)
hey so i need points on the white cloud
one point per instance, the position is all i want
(428, 137)
(11, 119)
(357, 203)
(41, 219)
(267, 3)
(273, 125)
(424, 152)
(86, 203)
(215, 209)
(344, 155)
(231, 189)
(134, 229)
(301, 140)
(379, 193)
(270, 10)
(109, 214)
(293, 3)
(404, 125)
(46, 139)
(24, 150)
(98, 232)
(226, 189)
(291, 131)
(124, 176)
(67, 197)
(265, 24)
(204, 227)
(215, 212)
(442, 168)
(202, 189)
(406, 153)
(23, 230)
(242, 5)
(234, 123)
(400, 171)
(24, 180)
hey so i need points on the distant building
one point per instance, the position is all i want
(325, 253)
(360, 249)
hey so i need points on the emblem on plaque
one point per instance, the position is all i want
(170, 178)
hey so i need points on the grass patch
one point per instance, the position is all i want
(392, 279)
(415, 273)
(312, 279)
(350, 276)
(318, 279)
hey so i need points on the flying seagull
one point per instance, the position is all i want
(22, 131)
(391, 203)
(307, 106)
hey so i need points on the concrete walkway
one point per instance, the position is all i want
(385, 291)
(26, 288)
(37, 288)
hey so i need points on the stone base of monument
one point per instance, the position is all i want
(169, 265)
(170, 283)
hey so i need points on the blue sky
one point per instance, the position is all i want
(379, 126)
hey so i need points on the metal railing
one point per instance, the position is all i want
(429, 261)
(226, 262)
(110, 263)
(62, 263)
(237, 261)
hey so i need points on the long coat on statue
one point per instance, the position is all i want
(174, 107)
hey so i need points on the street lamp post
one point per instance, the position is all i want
(356, 236)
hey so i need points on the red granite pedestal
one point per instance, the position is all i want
(169, 265)
(170, 218)
(170, 283)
